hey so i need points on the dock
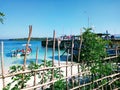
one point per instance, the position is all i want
(63, 43)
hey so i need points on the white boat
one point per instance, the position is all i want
(21, 52)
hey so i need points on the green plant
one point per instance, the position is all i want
(18, 81)
(33, 66)
(93, 47)
(48, 75)
(59, 85)
(1, 17)
(93, 53)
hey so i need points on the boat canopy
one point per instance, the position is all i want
(26, 44)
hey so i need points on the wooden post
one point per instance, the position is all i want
(58, 52)
(45, 52)
(116, 50)
(59, 56)
(80, 45)
(29, 37)
(24, 64)
(34, 79)
(72, 51)
(53, 52)
(42, 74)
(67, 70)
(44, 63)
(36, 62)
(37, 55)
(2, 64)
(72, 61)
(78, 76)
(53, 58)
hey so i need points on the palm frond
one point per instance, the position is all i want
(1, 17)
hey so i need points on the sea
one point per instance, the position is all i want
(10, 45)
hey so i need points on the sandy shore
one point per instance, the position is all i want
(31, 81)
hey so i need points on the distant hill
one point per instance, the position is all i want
(32, 39)
(4, 39)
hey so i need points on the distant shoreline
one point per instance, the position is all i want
(25, 39)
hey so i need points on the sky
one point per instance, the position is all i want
(64, 16)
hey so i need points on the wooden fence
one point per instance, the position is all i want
(74, 76)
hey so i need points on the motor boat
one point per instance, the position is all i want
(21, 52)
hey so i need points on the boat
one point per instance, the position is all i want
(21, 52)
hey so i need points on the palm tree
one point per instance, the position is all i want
(1, 17)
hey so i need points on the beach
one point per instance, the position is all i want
(31, 81)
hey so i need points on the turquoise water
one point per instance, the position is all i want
(10, 45)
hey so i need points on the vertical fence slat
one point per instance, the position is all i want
(58, 52)
(67, 70)
(2, 63)
(24, 64)
(72, 51)
(45, 52)
(80, 45)
(34, 79)
(116, 50)
(72, 61)
(58, 41)
(44, 62)
(36, 62)
(53, 52)
(29, 37)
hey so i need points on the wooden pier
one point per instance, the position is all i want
(63, 43)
